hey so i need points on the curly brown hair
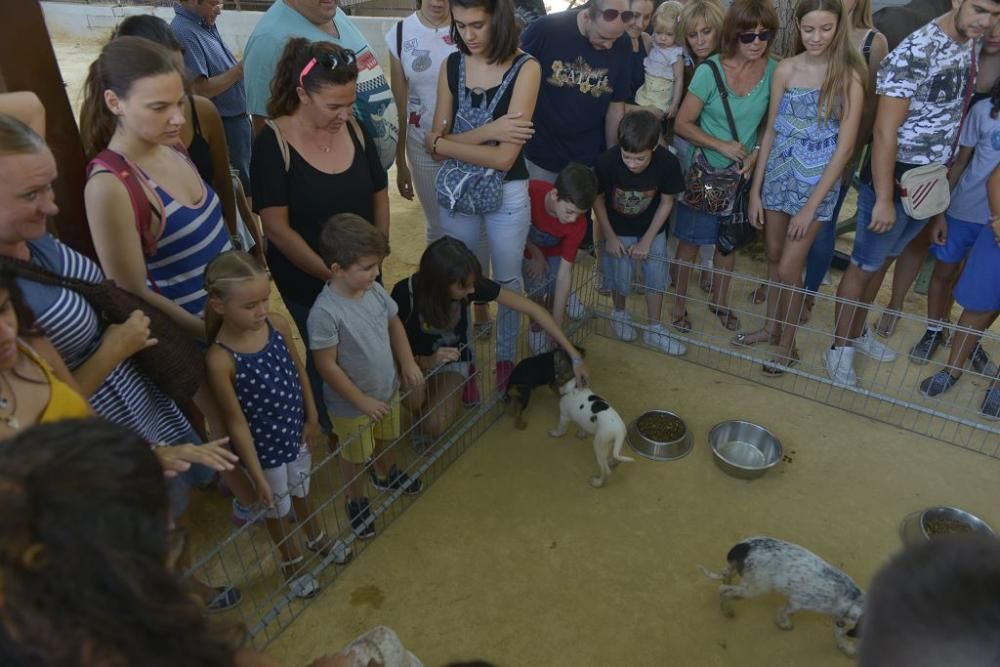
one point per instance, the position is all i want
(83, 547)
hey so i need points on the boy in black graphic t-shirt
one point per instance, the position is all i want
(636, 184)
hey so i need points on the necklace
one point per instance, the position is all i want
(437, 26)
(11, 419)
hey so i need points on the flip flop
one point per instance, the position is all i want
(750, 338)
(886, 325)
(777, 366)
(726, 318)
(682, 323)
(758, 296)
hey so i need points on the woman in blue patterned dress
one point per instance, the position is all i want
(816, 105)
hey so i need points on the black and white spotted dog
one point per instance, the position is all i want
(809, 583)
(592, 414)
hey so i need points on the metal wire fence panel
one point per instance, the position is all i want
(249, 559)
(889, 387)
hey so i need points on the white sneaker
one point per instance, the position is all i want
(622, 323)
(870, 346)
(839, 362)
(538, 341)
(657, 336)
(574, 307)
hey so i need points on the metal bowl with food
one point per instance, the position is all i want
(744, 449)
(937, 521)
(660, 435)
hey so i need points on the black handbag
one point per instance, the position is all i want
(175, 364)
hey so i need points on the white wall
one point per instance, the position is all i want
(95, 23)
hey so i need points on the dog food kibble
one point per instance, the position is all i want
(947, 527)
(660, 427)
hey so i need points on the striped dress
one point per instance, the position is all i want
(190, 238)
(126, 397)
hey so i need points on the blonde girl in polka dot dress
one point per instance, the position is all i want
(262, 388)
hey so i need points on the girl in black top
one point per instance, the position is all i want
(434, 308)
(332, 167)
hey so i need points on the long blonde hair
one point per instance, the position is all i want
(844, 61)
(222, 274)
(861, 17)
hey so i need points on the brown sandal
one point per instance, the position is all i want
(758, 296)
(886, 325)
(777, 366)
(682, 323)
(726, 317)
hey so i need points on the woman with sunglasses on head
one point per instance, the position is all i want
(312, 161)
(490, 69)
(745, 70)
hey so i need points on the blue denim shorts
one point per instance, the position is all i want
(695, 227)
(962, 236)
(979, 287)
(871, 251)
(546, 285)
(654, 267)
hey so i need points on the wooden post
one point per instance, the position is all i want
(28, 62)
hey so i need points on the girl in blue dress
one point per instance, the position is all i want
(817, 98)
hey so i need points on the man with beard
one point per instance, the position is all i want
(923, 87)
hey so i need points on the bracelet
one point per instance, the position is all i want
(434, 145)
(576, 361)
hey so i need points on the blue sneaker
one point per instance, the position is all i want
(991, 404)
(937, 384)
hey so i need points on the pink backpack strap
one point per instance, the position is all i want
(116, 164)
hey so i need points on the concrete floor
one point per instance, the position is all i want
(512, 556)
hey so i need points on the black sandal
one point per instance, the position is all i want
(682, 323)
(726, 317)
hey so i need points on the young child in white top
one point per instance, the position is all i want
(664, 65)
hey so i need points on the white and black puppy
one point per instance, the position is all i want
(592, 414)
(809, 583)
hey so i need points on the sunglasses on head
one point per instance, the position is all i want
(749, 37)
(611, 14)
(330, 61)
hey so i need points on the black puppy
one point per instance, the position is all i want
(549, 368)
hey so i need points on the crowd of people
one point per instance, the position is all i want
(528, 140)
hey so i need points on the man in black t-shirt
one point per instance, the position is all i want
(636, 184)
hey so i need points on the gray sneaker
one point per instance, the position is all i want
(925, 348)
(991, 404)
(980, 362)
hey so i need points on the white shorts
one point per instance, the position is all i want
(287, 480)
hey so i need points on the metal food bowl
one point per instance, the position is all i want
(659, 450)
(743, 449)
(937, 521)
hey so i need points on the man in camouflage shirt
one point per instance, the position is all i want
(921, 88)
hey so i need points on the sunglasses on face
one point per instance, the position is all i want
(749, 37)
(610, 15)
(330, 61)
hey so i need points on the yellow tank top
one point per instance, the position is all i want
(64, 401)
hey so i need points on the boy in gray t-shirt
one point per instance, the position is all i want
(357, 339)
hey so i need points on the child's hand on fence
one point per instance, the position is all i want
(373, 408)
(412, 376)
(309, 431)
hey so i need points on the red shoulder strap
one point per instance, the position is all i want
(116, 164)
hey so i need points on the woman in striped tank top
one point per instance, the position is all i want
(134, 107)
(133, 111)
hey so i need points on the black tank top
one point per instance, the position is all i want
(198, 150)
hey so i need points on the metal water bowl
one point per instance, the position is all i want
(937, 521)
(743, 449)
(647, 443)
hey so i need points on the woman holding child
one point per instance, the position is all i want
(311, 162)
(745, 70)
(817, 101)
(489, 69)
